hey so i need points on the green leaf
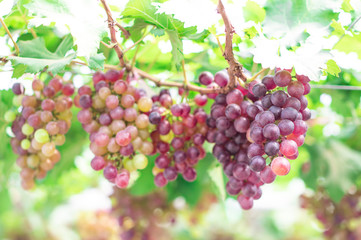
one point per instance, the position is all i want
(251, 32)
(96, 62)
(157, 32)
(19, 70)
(144, 9)
(350, 44)
(199, 37)
(332, 68)
(36, 56)
(136, 31)
(346, 6)
(177, 47)
(65, 46)
(216, 174)
(336, 164)
(338, 29)
(254, 12)
(145, 182)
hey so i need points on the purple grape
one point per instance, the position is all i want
(205, 78)
(271, 148)
(271, 131)
(221, 78)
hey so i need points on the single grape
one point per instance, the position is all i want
(205, 78)
(160, 180)
(140, 161)
(221, 78)
(246, 203)
(295, 89)
(280, 166)
(282, 78)
(288, 147)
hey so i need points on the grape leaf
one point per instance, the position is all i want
(336, 164)
(350, 44)
(96, 62)
(332, 68)
(253, 12)
(346, 6)
(136, 31)
(157, 32)
(175, 29)
(36, 56)
(338, 29)
(19, 70)
(216, 174)
(82, 17)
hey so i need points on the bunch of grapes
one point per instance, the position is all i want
(143, 217)
(254, 135)
(179, 138)
(97, 225)
(339, 219)
(39, 127)
(113, 112)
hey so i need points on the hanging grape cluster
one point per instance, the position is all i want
(257, 130)
(339, 219)
(113, 113)
(39, 124)
(178, 138)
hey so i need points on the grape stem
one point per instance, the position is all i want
(11, 37)
(125, 32)
(112, 31)
(257, 74)
(235, 68)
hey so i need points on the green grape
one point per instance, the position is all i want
(33, 161)
(27, 129)
(25, 144)
(41, 136)
(9, 116)
(140, 161)
(17, 100)
(129, 165)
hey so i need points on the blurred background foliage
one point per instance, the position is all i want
(321, 39)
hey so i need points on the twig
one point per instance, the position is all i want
(185, 79)
(235, 68)
(125, 32)
(11, 37)
(112, 31)
(191, 87)
(134, 57)
(257, 74)
(337, 87)
(141, 39)
(220, 45)
(348, 29)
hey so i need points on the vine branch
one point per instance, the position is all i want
(11, 37)
(125, 32)
(112, 31)
(235, 68)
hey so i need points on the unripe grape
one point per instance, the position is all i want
(9, 116)
(27, 129)
(145, 104)
(140, 161)
(25, 144)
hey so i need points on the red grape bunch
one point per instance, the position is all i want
(178, 138)
(39, 127)
(114, 114)
(254, 135)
